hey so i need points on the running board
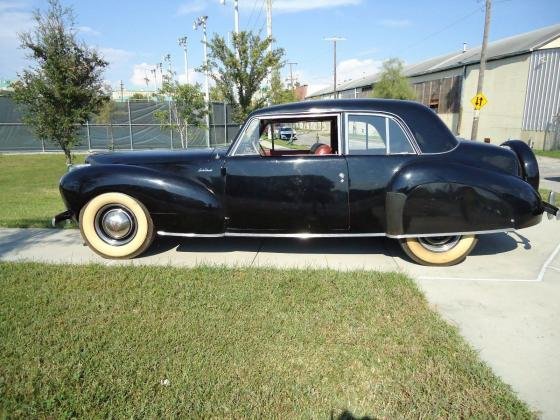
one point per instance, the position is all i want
(322, 235)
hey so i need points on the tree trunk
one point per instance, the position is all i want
(68, 154)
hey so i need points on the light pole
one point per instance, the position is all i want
(183, 43)
(334, 39)
(235, 14)
(201, 21)
(154, 74)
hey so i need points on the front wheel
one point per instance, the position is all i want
(439, 250)
(117, 226)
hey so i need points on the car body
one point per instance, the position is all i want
(287, 133)
(370, 168)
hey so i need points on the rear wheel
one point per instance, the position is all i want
(117, 226)
(439, 250)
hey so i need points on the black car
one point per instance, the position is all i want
(359, 168)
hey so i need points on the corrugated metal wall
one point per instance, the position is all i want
(542, 102)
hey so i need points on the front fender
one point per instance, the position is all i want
(175, 204)
(446, 197)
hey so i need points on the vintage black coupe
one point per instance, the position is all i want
(358, 168)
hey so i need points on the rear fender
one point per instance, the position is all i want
(175, 204)
(528, 161)
(445, 197)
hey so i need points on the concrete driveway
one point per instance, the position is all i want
(549, 169)
(505, 299)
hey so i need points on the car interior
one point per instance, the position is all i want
(299, 136)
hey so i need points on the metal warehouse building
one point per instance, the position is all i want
(521, 82)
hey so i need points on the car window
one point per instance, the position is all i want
(293, 136)
(248, 144)
(375, 135)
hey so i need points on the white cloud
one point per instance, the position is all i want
(192, 6)
(354, 68)
(289, 6)
(395, 23)
(87, 31)
(116, 56)
(140, 72)
(14, 19)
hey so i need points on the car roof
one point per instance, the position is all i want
(431, 134)
(339, 105)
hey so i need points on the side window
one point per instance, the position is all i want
(375, 135)
(249, 142)
(269, 137)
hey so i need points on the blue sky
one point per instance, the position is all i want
(133, 35)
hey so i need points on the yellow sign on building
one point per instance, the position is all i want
(479, 101)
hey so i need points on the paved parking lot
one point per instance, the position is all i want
(504, 298)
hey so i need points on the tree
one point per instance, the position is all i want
(139, 96)
(65, 86)
(187, 107)
(277, 93)
(239, 71)
(393, 84)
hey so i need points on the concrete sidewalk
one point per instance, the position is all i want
(504, 298)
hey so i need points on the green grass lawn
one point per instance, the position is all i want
(136, 342)
(548, 153)
(29, 189)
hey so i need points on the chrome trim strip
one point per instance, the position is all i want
(191, 235)
(324, 235)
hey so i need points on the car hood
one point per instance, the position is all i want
(157, 157)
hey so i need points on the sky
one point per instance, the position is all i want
(134, 35)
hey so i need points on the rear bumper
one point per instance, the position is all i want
(550, 208)
(65, 215)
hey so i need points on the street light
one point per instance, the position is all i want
(183, 43)
(334, 39)
(201, 22)
(235, 13)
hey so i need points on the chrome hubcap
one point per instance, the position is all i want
(439, 243)
(115, 225)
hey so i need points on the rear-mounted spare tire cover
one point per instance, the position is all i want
(527, 159)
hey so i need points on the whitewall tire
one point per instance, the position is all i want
(116, 225)
(440, 250)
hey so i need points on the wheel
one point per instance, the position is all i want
(439, 250)
(117, 226)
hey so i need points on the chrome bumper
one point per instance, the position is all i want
(549, 207)
(65, 215)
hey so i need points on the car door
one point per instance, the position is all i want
(295, 193)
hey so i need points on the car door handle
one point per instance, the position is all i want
(223, 171)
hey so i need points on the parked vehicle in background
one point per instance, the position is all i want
(364, 168)
(287, 133)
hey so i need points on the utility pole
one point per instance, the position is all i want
(201, 21)
(122, 91)
(291, 63)
(474, 131)
(235, 14)
(183, 43)
(269, 34)
(334, 40)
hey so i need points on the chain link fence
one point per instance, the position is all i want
(133, 127)
(552, 134)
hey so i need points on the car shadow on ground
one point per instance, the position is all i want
(490, 244)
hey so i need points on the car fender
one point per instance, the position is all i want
(175, 204)
(433, 197)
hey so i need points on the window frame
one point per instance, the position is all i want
(387, 116)
(295, 116)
